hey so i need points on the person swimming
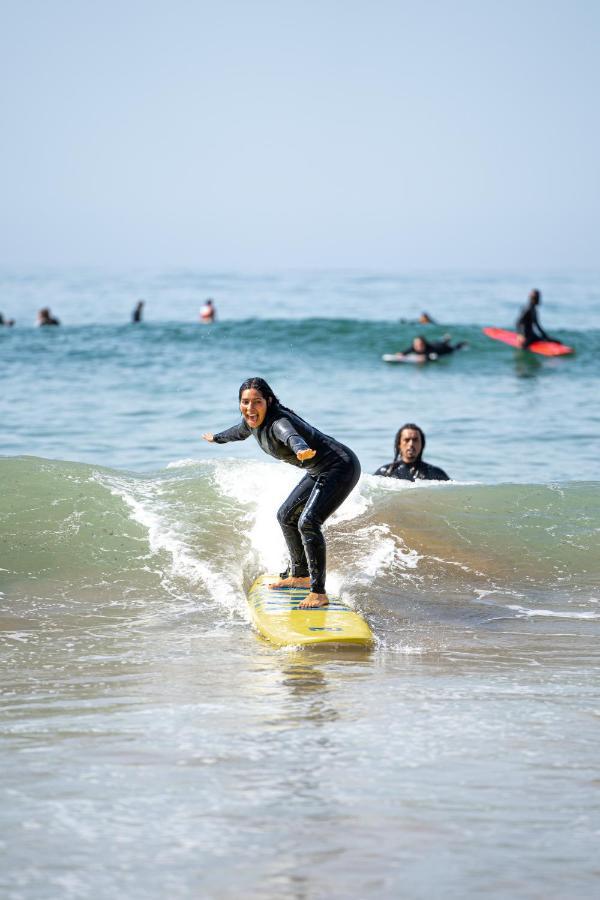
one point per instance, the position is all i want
(208, 313)
(332, 471)
(138, 311)
(45, 317)
(408, 463)
(8, 323)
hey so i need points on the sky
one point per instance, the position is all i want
(250, 134)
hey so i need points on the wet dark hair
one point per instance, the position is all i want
(413, 427)
(260, 385)
(428, 346)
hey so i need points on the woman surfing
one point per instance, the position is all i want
(332, 470)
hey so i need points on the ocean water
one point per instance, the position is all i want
(152, 744)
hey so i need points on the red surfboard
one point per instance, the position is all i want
(546, 348)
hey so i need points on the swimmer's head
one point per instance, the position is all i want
(419, 344)
(255, 398)
(409, 443)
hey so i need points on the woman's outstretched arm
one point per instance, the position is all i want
(237, 433)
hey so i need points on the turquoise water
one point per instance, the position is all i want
(143, 721)
(100, 390)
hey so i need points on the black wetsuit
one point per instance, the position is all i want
(418, 471)
(530, 328)
(442, 348)
(431, 351)
(330, 476)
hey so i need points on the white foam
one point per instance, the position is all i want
(148, 508)
(187, 463)
(258, 489)
(555, 614)
(353, 506)
(262, 488)
(383, 551)
(398, 484)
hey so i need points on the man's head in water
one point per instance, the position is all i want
(255, 397)
(409, 443)
(419, 344)
(535, 298)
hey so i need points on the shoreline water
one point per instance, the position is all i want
(144, 720)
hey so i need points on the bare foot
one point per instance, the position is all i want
(313, 601)
(290, 582)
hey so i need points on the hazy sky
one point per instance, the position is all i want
(300, 133)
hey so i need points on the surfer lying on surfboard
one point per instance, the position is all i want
(332, 470)
(423, 350)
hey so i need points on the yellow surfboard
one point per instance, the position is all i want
(276, 615)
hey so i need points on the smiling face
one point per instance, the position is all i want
(411, 445)
(253, 407)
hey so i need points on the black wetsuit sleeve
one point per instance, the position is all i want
(283, 430)
(383, 470)
(538, 327)
(434, 473)
(237, 433)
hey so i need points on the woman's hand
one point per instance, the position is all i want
(306, 454)
(209, 436)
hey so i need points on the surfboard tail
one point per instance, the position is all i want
(278, 617)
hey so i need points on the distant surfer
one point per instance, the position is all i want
(528, 325)
(138, 311)
(45, 317)
(425, 319)
(408, 463)
(426, 350)
(420, 348)
(332, 470)
(208, 313)
(6, 322)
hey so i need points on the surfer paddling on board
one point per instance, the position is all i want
(426, 350)
(528, 324)
(332, 470)
(419, 348)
